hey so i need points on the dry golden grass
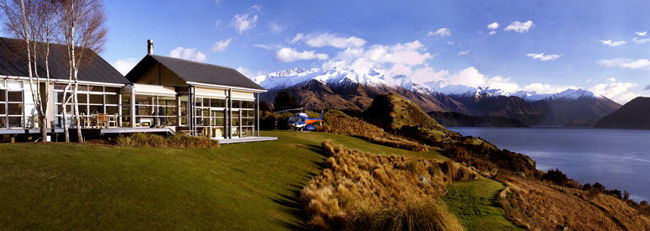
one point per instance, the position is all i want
(541, 206)
(338, 122)
(363, 191)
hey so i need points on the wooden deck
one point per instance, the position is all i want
(247, 139)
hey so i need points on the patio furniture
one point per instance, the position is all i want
(145, 122)
(102, 120)
(112, 121)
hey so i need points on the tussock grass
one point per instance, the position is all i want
(340, 123)
(362, 191)
(177, 140)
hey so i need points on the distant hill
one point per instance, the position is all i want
(453, 119)
(350, 90)
(633, 115)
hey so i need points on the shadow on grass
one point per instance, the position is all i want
(291, 203)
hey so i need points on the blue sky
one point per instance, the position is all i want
(545, 46)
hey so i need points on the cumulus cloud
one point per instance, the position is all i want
(617, 91)
(286, 54)
(625, 63)
(612, 43)
(221, 45)
(328, 39)
(644, 33)
(245, 21)
(492, 32)
(543, 57)
(465, 52)
(519, 27)
(493, 26)
(188, 53)
(442, 32)
(125, 65)
(396, 59)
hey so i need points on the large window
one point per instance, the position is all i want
(210, 116)
(93, 100)
(156, 111)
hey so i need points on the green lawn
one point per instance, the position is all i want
(474, 202)
(235, 187)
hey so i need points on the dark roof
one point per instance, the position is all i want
(94, 68)
(191, 71)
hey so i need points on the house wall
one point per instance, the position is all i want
(160, 75)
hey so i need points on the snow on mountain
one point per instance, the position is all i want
(376, 78)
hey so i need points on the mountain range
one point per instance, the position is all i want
(348, 89)
(632, 115)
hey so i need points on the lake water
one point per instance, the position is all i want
(616, 158)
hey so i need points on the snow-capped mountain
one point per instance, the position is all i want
(376, 78)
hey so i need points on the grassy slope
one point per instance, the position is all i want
(239, 187)
(474, 202)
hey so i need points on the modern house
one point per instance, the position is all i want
(160, 94)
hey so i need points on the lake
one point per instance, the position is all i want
(616, 158)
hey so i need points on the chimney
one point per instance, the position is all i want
(150, 47)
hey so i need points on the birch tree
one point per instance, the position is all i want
(25, 21)
(82, 26)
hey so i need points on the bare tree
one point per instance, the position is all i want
(82, 24)
(25, 22)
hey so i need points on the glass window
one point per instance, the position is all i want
(15, 108)
(143, 99)
(15, 122)
(2, 109)
(111, 99)
(218, 103)
(82, 98)
(2, 95)
(96, 99)
(206, 102)
(2, 122)
(15, 96)
(112, 89)
(96, 88)
(111, 110)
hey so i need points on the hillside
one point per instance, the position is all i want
(632, 115)
(453, 119)
(393, 112)
(234, 187)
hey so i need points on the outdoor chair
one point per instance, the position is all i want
(112, 121)
(102, 120)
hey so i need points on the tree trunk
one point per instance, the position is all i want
(43, 129)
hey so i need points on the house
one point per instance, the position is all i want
(160, 94)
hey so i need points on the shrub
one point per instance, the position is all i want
(362, 191)
(177, 140)
(556, 176)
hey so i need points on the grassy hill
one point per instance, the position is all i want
(235, 187)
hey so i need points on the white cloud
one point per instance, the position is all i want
(217, 1)
(519, 27)
(612, 43)
(465, 52)
(493, 26)
(248, 73)
(644, 33)
(290, 55)
(617, 91)
(188, 53)
(640, 40)
(245, 21)
(221, 45)
(473, 78)
(327, 39)
(543, 57)
(442, 32)
(544, 88)
(267, 46)
(125, 65)
(217, 23)
(492, 32)
(400, 58)
(450, 43)
(612, 79)
(625, 63)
